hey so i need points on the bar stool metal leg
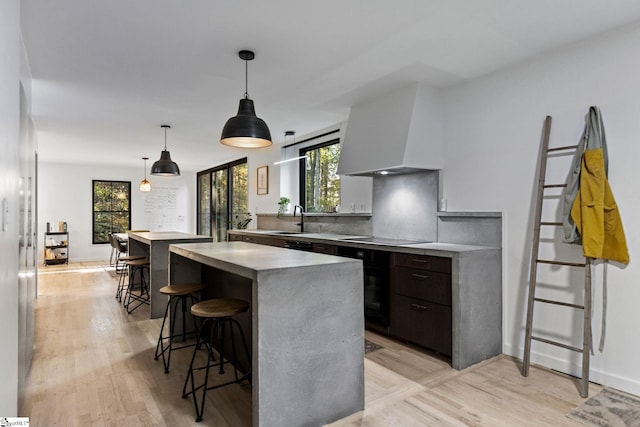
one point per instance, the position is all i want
(166, 350)
(130, 297)
(208, 336)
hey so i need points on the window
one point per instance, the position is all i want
(223, 199)
(319, 179)
(111, 209)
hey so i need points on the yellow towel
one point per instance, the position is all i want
(595, 212)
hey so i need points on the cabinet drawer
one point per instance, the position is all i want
(323, 248)
(422, 284)
(235, 237)
(421, 322)
(423, 262)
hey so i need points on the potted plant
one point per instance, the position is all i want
(283, 205)
(242, 220)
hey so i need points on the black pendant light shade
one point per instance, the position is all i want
(165, 166)
(246, 130)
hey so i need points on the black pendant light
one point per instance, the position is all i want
(246, 130)
(165, 166)
(145, 185)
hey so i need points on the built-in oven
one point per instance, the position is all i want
(376, 283)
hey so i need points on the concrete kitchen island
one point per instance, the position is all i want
(307, 325)
(155, 245)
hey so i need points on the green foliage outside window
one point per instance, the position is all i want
(223, 199)
(322, 182)
(111, 209)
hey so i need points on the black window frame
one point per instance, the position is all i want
(228, 167)
(94, 211)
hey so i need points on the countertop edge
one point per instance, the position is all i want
(434, 248)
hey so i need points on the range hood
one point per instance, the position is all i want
(400, 132)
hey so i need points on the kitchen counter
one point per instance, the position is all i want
(155, 245)
(429, 248)
(476, 288)
(306, 325)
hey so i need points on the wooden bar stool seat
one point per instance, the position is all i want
(140, 266)
(180, 293)
(217, 320)
(221, 307)
(123, 272)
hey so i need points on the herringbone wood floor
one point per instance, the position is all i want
(94, 366)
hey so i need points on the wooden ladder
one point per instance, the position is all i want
(535, 260)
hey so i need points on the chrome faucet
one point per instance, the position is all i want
(301, 223)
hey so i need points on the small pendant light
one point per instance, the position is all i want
(144, 184)
(246, 130)
(285, 160)
(165, 166)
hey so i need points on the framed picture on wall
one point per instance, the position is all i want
(263, 180)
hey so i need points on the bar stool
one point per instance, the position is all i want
(124, 271)
(179, 293)
(216, 315)
(137, 265)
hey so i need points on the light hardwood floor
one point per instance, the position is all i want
(94, 366)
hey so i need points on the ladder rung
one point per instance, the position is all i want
(570, 264)
(566, 147)
(566, 304)
(568, 347)
(550, 223)
(555, 185)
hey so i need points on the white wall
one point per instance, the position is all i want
(263, 203)
(65, 194)
(10, 45)
(493, 132)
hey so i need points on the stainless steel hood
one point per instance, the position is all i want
(400, 132)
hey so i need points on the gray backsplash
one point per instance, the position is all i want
(405, 206)
(352, 224)
(470, 228)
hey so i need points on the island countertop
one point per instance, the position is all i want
(155, 245)
(306, 321)
(247, 259)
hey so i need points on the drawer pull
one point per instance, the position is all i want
(418, 307)
(421, 261)
(419, 276)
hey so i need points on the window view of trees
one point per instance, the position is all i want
(240, 198)
(321, 180)
(111, 209)
(223, 199)
(204, 204)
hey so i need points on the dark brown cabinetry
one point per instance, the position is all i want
(261, 240)
(420, 303)
(323, 248)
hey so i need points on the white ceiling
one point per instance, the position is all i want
(107, 74)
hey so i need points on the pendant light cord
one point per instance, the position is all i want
(165, 139)
(246, 79)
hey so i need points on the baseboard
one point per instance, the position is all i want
(597, 376)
